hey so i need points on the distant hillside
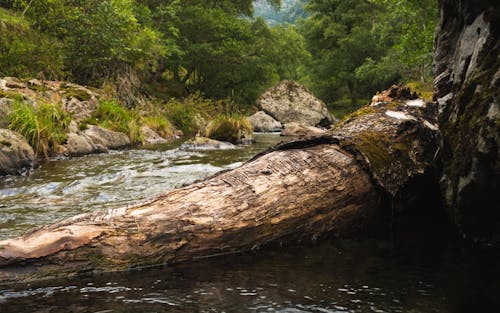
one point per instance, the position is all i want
(290, 11)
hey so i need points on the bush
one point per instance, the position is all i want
(344, 106)
(183, 116)
(186, 114)
(44, 126)
(25, 52)
(111, 115)
(159, 124)
(423, 90)
(233, 129)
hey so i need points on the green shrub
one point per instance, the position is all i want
(159, 124)
(343, 107)
(229, 128)
(113, 116)
(423, 90)
(83, 126)
(26, 52)
(185, 115)
(11, 95)
(75, 92)
(44, 126)
(182, 116)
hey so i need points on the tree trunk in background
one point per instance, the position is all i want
(467, 89)
(329, 185)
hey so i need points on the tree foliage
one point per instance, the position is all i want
(343, 49)
(360, 46)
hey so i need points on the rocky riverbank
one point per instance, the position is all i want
(30, 103)
(42, 119)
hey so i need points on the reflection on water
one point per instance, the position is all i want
(337, 276)
(331, 277)
(62, 189)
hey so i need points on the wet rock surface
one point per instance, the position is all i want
(467, 88)
(203, 143)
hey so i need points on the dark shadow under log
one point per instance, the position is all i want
(295, 193)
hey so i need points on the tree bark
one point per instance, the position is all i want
(295, 193)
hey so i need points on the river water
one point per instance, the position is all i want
(363, 275)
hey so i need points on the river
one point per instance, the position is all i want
(375, 274)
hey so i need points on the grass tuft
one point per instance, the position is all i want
(160, 124)
(43, 126)
(111, 115)
(229, 128)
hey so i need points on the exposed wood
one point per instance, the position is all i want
(284, 195)
(295, 193)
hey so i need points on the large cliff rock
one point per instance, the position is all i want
(291, 102)
(467, 87)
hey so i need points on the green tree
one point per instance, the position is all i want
(339, 37)
(411, 24)
(102, 38)
(25, 52)
(360, 46)
(221, 53)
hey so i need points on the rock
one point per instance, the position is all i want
(78, 100)
(5, 109)
(80, 110)
(203, 143)
(73, 127)
(467, 89)
(291, 102)
(12, 83)
(299, 130)
(15, 153)
(151, 137)
(107, 138)
(178, 133)
(80, 144)
(264, 123)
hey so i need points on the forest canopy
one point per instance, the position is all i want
(344, 50)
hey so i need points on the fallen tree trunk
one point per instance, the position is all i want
(297, 192)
